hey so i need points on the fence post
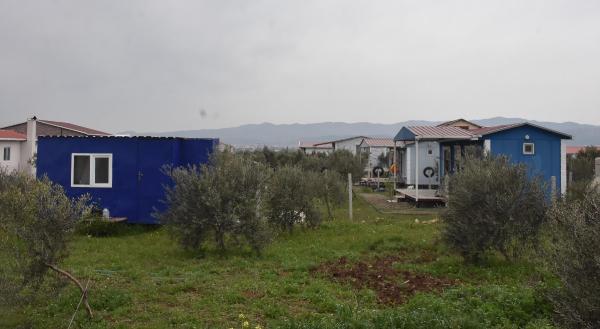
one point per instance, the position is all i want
(350, 196)
(597, 168)
(553, 187)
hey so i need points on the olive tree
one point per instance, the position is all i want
(493, 205)
(225, 199)
(292, 195)
(36, 223)
(572, 252)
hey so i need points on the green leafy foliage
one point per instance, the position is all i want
(572, 253)
(35, 225)
(292, 198)
(493, 205)
(225, 199)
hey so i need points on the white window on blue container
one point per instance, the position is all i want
(528, 148)
(91, 170)
(6, 153)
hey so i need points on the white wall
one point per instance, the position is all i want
(317, 150)
(15, 155)
(373, 159)
(348, 145)
(425, 160)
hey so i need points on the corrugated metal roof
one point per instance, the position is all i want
(378, 142)
(74, 127)
(443, 132)
(123, 137)
(314, 145)
(11, 135)
(495, 129)
(341, 140)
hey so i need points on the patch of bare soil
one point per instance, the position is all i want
(393, 287)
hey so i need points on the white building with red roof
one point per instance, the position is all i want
(12, 144)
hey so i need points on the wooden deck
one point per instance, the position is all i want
(425, 195)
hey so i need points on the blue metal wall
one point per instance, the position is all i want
(547, 158)
(137, 181)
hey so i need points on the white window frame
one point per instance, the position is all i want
(532, 148)
(4, 153)
(93, 157)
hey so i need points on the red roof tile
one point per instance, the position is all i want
(576, 149)
(70, 126)
(11, 135)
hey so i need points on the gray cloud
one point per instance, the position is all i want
(146, 65)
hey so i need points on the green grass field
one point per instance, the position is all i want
(140, 278)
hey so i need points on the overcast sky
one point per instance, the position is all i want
(169, 65)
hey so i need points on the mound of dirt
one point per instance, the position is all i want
(393, 287)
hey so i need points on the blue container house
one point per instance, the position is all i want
(543, 150)
(121, 174)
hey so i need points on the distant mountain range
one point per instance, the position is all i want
(288, 135)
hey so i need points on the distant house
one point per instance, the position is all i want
(374, 148)
(122, 174)
(312, 148)
(34, 127)
(54, 128)
(460, 123)
(543, 150)
(573, 150)
(12, 144)
(350, 144)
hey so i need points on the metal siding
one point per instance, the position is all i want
(54, 160)
(129, 196)
(546, 160)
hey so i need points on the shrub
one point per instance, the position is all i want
(292, 195)
(493, 205)
(331, 190)
(573, 255)
(35, 225)
(225, 198)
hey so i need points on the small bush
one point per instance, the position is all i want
(225, 199)
(573, 255)
(493, 205)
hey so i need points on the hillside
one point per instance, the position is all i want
(288, 135)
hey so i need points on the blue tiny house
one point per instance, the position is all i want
(122, 174)
(543, 150)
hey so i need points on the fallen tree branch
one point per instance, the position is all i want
(74, 280)
(78, 304)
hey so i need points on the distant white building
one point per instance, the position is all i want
(13, 147)
(351, 144)
(311, 148)
(374, 148)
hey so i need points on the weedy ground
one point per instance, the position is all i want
(377, 271)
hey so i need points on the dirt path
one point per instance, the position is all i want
(380, 202)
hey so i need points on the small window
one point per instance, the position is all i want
(7, 153)
(528, 148)
(91, 170)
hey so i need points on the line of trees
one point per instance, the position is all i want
(248, 198)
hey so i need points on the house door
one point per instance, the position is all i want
(153, 155)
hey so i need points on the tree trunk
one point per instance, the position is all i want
(74, 280)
